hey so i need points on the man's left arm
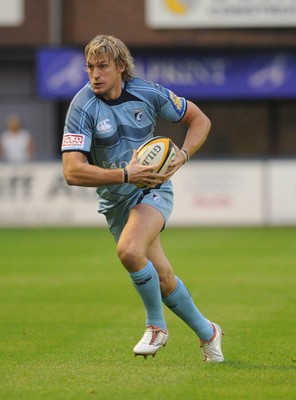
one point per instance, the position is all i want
(198, 128)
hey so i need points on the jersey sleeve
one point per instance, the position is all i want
(77, 130)
(164, 103)
(172, 107)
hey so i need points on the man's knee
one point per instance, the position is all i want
(130, 256)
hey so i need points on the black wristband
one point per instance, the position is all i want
(125, 175)
(186, 153)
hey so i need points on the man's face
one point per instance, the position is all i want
(105, 77)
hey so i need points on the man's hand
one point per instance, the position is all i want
(175, 164)
(142, 175)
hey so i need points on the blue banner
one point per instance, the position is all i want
(201, 76)
(60, 72)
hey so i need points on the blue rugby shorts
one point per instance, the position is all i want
(161, 198)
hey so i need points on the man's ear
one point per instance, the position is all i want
(121, 68)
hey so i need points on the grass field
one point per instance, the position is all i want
(70, 317)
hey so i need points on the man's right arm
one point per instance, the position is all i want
(78, 172)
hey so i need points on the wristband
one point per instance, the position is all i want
(186, 154)
(125, 175)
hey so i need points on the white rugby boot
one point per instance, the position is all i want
(153, 339)
(212, 350)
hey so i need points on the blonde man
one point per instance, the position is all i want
(112, 115)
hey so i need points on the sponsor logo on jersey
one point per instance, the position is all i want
(104, 126)
(73, 140)
(114, 165)
(177, 102)
(139, 114)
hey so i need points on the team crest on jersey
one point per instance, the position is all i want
(177, 102)
(139, 114)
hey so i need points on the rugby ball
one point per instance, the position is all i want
(159, 151)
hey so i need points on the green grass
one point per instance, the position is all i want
(69, 317)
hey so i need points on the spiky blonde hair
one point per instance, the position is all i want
(115, 49)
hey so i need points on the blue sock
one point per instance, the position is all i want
(181, 303)
(146, 282)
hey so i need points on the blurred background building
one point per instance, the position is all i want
(236, 60)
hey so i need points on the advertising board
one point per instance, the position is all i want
(219, 193)
(282, 178)
(202, 76)
(167, 14)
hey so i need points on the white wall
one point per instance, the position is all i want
(206, 193)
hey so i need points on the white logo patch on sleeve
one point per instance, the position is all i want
(73, 140)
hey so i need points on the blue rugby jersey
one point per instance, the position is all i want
(108, 131)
